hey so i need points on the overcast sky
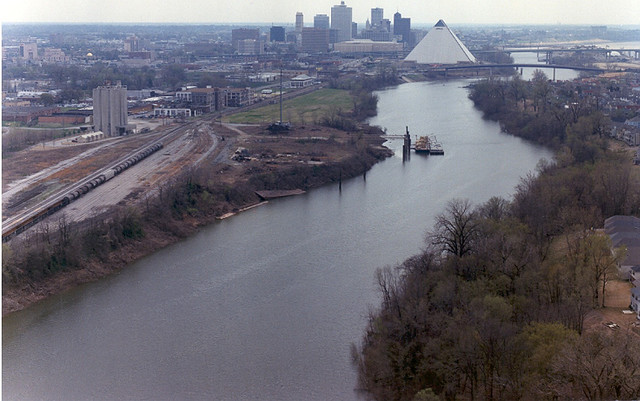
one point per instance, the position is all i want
(589, 12)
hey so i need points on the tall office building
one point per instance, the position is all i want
(276, 34)
(333, 35)
(315, 40)
(386, 25)
(341, 18)
(110, 109)
(29, 51)
(402, 27)
(299, 22)
(239, 34)
(321, 21)
(377, 15)
(250, 46)
(132, 44)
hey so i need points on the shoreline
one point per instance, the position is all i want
(29, 292)
(231, 214)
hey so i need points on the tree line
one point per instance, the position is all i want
(494, 308)
(77, 82)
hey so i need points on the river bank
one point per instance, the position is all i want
(266, 304)
(487, 281)
(308, 157)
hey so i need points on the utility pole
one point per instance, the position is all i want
(280, 96)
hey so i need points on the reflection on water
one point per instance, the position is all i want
(265, 305)
(534, 58)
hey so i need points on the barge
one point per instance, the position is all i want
(424, 144)
(436, 148)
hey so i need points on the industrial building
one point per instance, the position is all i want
(110, 109)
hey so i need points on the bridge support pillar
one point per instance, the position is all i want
(406, 147)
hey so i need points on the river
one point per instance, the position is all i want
(265, 305)
(532, 58)
(561, 74)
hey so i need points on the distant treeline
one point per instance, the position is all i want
(75, 82)
(495, 306)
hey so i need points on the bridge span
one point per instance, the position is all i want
(549, 51)
(524, 65)
(446, 68)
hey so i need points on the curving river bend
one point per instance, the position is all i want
(265, 305)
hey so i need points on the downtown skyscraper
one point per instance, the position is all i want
(341, 19)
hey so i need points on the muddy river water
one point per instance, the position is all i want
(265, 305)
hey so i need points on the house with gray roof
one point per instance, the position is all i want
(635, 300)
(624, 231)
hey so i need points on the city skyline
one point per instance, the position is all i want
(548, 12)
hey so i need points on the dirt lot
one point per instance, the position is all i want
(618, 299)
(33, 175)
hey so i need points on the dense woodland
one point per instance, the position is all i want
(494, 307)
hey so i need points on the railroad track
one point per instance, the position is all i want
(17, 224)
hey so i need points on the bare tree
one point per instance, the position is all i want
(600, 366)
(455, 229)
(603, 261)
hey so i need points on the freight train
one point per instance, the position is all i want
(40, 213)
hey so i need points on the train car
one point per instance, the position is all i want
(109, 174)
(28, 221)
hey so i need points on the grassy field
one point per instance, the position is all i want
(305, 109)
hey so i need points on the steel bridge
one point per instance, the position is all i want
(548, 51)
(445, 69)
